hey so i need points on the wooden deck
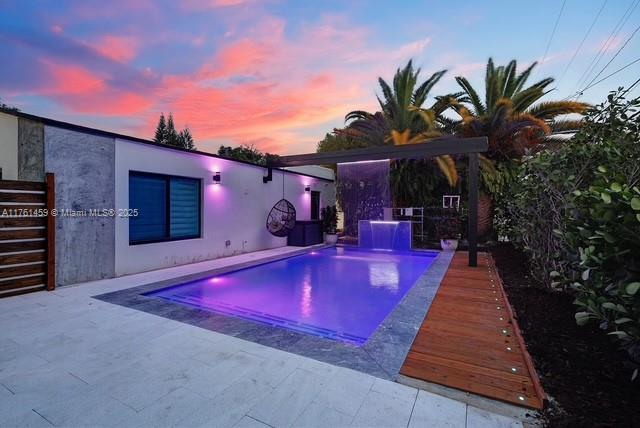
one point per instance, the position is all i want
(471, 341)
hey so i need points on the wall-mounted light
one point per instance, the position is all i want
(307, 188)
(216, 178)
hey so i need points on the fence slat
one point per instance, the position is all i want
(51, 232)
(22, 185)
(9, 247)
(22, 221)
(22, 234)
(22, 258)
(9, 272)
(22, 197)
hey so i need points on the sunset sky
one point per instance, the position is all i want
(280, 74)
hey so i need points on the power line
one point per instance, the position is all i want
(582, 42)
(553, 32)
(611, 74)
(599, 55)
(615, 55)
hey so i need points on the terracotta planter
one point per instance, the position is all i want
(485, 216)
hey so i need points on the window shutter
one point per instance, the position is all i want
(148, 194)
(185, 208)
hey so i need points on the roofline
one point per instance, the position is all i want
(102, 133)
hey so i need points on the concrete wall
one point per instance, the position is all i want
(83, 165)
(9, 146)
(235, 210)
(30, 150)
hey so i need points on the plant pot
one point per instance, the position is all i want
(330, 238)
(449, 244)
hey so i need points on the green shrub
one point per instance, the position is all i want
(575, 211)
(604, 228)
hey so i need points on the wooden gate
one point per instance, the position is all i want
(27, 236)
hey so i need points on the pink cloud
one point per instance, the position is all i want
(118, 48)
(85, 92)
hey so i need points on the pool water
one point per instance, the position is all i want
(337, 293)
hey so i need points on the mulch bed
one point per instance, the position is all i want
(588, 378)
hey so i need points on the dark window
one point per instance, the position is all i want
(315, 205)
(168, 208)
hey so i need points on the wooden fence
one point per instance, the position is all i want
(27, 236)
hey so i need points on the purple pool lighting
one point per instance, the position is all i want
(337, 293)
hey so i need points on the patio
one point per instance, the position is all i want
(69, 359)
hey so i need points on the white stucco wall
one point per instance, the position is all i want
(9, 146)
(235, 210)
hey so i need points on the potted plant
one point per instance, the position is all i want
(448, 229)
(329, 224)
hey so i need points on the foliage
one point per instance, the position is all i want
(246, 153)
(448, 227)
(417, 183)
(402, 119)
(575, 210)
(329, 216)
(605, 229)
(166, 134)
(510, 115)
(7, 106)
(512, 119)
(337, 141)
(186, 139)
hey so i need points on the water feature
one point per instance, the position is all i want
(384, 235)
(363, 190)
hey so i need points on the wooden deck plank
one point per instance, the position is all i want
(470, 340)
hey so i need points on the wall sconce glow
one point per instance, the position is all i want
(307, 188)
(216, 178)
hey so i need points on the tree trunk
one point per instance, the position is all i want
(485, 216)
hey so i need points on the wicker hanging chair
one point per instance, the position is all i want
(281, 218)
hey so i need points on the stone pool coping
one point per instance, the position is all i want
(381, 356)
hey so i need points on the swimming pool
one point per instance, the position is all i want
(337, 293)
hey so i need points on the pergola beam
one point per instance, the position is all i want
(431, 148)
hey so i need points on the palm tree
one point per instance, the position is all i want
(402, 118)
(510, 115)
(513, 119)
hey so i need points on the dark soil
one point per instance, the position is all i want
(587, 377)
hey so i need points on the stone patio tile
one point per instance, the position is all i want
(346, 391)
(437, 411)
(477, 418)
(86, 409)
(228, 407)
(384, 410)
(168, 410)
(319, 415)
(209, 380)
(289, 400)
(248, 422)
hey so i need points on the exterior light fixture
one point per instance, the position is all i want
(216, 178)
(307, 188)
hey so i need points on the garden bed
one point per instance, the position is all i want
(581, 369)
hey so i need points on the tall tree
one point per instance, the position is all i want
(185, 139)
(402, 118)
(161, 131)
(172, 134)
(514, 120)
(511, 115)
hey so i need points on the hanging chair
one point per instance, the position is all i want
(281, 219)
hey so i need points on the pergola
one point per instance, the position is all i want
(436, 147)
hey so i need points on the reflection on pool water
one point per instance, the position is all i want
(338, 293)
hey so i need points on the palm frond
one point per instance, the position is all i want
(550, 109)
(420, 94)
(474, 99)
